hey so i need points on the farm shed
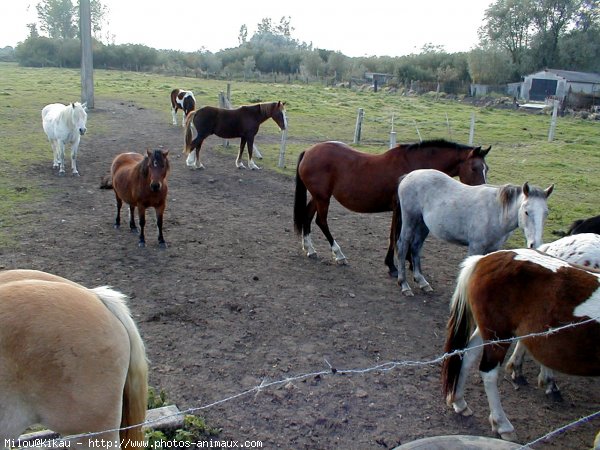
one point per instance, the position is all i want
(579, 89)
(379, 78)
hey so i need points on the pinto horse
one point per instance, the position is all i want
(242, 122)
(183, 100)
(141, 181)
(582, 249)
(480, 217)
(64, 125)
(519, 293)
(71, 359)
(367, 183)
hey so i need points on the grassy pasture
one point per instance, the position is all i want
(520, 151)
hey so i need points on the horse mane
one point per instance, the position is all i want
(438, 143)
(509, 193)
(266, 109)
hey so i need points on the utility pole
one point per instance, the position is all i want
(87, 59)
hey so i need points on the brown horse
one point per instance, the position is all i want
(367, 183)
(71, 359)
(141, 181)
(242, 122)
(184, 101)
(512, 293)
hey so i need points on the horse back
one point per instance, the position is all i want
(361, 182)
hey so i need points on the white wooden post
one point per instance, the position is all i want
(418, 132)
(223, 104)
(553, 122)
(472, 129)
(392, 135)
(359, 120)
(281, 163)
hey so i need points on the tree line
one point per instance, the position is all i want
(516, 37)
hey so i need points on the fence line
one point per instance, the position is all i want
(383, 367)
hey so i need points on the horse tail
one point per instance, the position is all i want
(459, 328)
(106, 182)
(189, 119)
(299, 200)
(135, 391)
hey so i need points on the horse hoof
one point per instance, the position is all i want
(519, 380)
(162, 245)
(116, 226)
(555, 396)
(511, 436)
(393, 273)
(61, 174)
(341, 262)
(134, 230)
(312, 255)
(427, 288)
(407, 293)
(141, 244)
(467, 412)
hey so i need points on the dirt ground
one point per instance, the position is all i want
(233, 304)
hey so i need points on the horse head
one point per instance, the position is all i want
(79, 117)
(473, 170)
(156, 168)
(278, 115)
(533, 212)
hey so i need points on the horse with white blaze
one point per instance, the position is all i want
(64, 125)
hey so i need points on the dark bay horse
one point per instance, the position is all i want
(519, 293)
(242, 122)
(141, 181)
(367, 183)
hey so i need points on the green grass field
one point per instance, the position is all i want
(520, 148)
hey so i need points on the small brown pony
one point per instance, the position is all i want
(242, 122)
(512, 293)
(141, 181)
(367, 183)
(71, 359)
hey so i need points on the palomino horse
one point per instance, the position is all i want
(367, 183)
(64, 125)
(480, 217)
(242, 122)
(519, 293)
(581, 249)
(184, 101)
(141, 181)
(71, 359)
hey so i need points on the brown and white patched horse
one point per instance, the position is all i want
(183, 100)
(514, 293)
(242, 122)
(71, 359)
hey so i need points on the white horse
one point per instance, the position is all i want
(71, 359)
(64, 124)
(480, 217)
(582, 249)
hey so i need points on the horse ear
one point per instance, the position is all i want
(84, 105)
(549, 190)
(165, 152)
(483, 153)
(149, 153)
(526, 189)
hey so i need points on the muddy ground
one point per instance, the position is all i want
(233, 304)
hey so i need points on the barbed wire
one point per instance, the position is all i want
(331, 370)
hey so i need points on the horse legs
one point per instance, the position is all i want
(470, 356)
(159, 222)
(74, 150)
(493, 355)
(174, 114)
(60, 150)
(514, 366)
(546, 379)
(250, 147)
(421, 233)
(142, 213)
(307, 244)
(321, 221)
(193, 159)
(119, 205)
(238, 161)
(55, 154)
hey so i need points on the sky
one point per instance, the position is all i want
(386, 28)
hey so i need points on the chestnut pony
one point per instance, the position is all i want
(71, 359)
(367, 183)
(141, 181)
(512, 293)
(242, 122)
